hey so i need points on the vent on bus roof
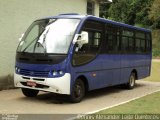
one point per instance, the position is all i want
(69, 14)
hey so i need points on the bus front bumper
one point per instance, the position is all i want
(60, 85)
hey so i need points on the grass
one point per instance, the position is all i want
(148, 104)
(155, 72)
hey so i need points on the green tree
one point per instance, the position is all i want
(119, 10)
(154, 14)
(104, 8)
(131, 11)
(141, 9)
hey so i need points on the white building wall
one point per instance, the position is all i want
(17, 15)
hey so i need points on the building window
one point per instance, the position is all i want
(90, 7)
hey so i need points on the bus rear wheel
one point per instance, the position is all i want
(29, 92)
(131, 81)
(78, 91)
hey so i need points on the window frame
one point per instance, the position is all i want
(129, 37)
(119, 33)
(90, 9)
(101, 40)
(114, 31)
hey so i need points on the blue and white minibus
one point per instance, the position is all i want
(71, 54)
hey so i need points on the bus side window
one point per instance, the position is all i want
(148, 42)
(90, 50)
(112, 39)
(138, 46)
(125, 46)
(127, 42)
(93, 43)
(140, 42)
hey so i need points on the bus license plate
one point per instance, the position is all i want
(32, 84)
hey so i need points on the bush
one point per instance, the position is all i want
(156, 52)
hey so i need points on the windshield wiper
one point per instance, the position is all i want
(31, 42)
(44, 38)
(37, 38)
(42, 42)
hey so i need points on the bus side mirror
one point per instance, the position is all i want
(81, 39)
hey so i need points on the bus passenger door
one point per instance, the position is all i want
(86, 58)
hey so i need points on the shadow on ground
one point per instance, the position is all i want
(51, 98)
(6, 82)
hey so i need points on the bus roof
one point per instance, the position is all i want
(83, 17)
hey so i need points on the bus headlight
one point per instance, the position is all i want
(17, 69)
(55, 73)
(61, 72)
(58, 72)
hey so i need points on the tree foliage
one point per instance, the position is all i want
(131, 12)
(119, 10)
(142, 8)
(104, 7)
(154, 14)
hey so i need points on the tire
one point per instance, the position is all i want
(29, 92)
(78, 91)
(131, 81)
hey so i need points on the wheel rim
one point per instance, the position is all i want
(132, 81)
(77, 91)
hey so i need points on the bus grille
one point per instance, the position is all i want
(34, 73)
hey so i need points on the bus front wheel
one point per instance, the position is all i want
(78, 91)
(131, 81)
(29, 92)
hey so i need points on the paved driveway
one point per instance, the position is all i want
(12, 101)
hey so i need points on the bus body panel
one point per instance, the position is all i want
(134, 62)
(111, 65)
(101, 72)
(60, 85)
(91, 71)
(41, 74)
(40, 67)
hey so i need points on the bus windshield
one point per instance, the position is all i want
(49, 36)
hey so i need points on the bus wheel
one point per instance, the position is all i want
(78, 91)
(131, 81)
(29, 92)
